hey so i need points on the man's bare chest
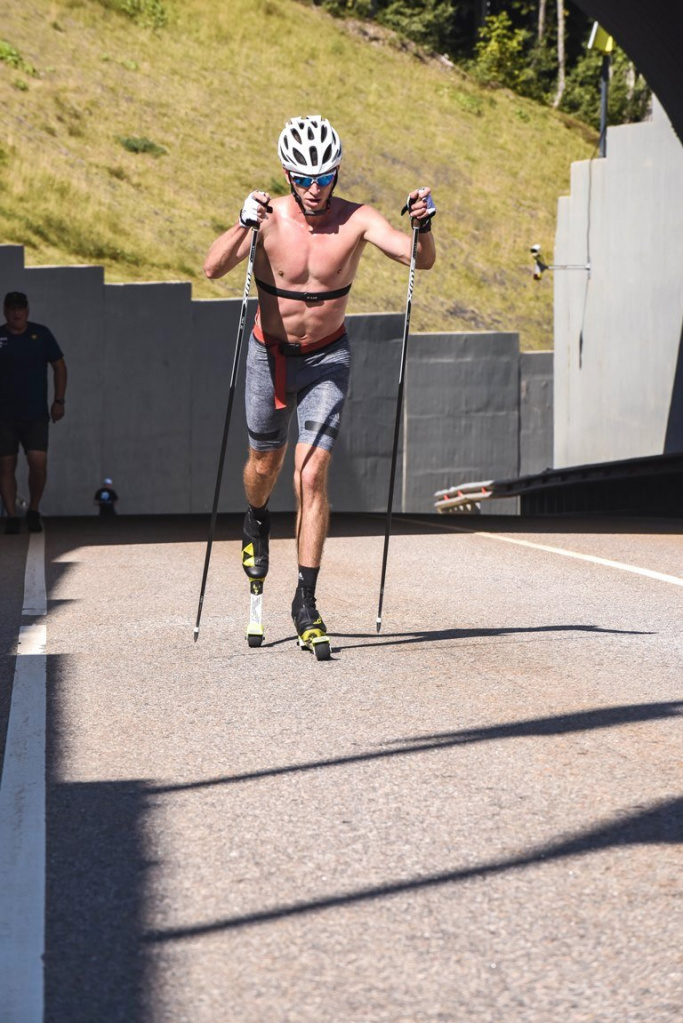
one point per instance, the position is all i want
(296, 255)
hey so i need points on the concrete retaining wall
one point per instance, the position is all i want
(462, 414)
(618, 350)
(535, 412)
(149, 372)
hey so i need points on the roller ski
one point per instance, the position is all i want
(255, 536)
(310, 628)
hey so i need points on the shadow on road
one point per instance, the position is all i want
(582, 721)
(100, 955)
(71, 533)
(662, 823)
(439, 635)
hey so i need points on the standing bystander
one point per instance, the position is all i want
(106, 497)
(26, 349)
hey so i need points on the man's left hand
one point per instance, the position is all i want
(56, 412)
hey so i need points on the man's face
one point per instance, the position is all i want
(16, 318)
(314, 192)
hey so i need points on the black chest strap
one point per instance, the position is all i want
(302, 296)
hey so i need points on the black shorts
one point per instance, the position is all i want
(30, 433)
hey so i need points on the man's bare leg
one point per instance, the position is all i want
(37, 477)
(260, 475)
(311, 466)
(8, 484)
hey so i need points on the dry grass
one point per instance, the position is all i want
(213, 88)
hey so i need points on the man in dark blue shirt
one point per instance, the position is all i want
(26, 349)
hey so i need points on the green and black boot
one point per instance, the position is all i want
(255, 535)
(310, 628)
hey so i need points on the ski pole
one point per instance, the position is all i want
(228, 413)
(397, 425)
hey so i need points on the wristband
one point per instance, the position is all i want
(425, 227)
(58, 401)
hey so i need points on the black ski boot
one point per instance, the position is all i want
(255, 545)
(310, 628)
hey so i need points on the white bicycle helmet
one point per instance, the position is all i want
(309, 145)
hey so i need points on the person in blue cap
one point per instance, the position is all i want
(106, 497)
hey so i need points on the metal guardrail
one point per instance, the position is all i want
(649, 485)
(465, 497)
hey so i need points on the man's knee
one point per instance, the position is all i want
(265, 464)
(8, 466)
(37, 461)
(310, 475)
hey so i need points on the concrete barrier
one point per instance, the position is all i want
(618, 333)
(149, 371)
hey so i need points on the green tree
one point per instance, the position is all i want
(501, 52)
(426, 22)
(628, 95)
(535, 47)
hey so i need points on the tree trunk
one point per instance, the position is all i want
(541, 20)
(560, 54)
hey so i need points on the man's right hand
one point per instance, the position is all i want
(255, 209)
(420, 205)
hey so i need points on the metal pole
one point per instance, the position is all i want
(228, 414)
(604, 90)
(397, 425)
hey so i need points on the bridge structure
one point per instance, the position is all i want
(650, 32)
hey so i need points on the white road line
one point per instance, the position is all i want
(35, 598)
(22, 814)
(648, 572)
(622, 566)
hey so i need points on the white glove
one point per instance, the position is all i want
(422, 224)
(254, 210)
(431, 208)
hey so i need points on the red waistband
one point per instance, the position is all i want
(305, 346)
(279, 349)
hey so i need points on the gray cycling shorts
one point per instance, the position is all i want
(317, 385)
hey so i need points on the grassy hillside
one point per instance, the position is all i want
(81, 84)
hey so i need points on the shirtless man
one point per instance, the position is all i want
(309, 247)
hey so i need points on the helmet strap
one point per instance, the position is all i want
(313, 213)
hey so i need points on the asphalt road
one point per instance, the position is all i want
(475, 816)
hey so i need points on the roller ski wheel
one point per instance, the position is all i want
(318, 643)
(255, 631)
(255, 537)
(310, 628)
